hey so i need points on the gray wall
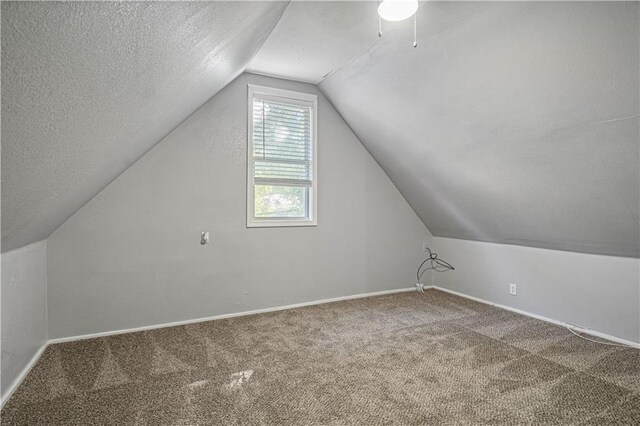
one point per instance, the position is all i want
(24, 308)
(131, 257)
(601, 293)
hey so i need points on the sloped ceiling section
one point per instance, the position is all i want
(89, 87)
(313, 38)
(512, 122)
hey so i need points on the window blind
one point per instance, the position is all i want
(282, 143)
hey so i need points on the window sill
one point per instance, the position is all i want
(281, 223)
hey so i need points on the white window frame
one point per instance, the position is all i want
(291, 97)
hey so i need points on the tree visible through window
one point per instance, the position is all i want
(282, 164)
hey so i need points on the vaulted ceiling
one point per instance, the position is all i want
(511, 122)
(89, 87)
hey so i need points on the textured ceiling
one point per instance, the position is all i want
(512, 122)
(314, 38)
(89, 87)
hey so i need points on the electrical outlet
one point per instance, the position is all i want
(425, 247)
(513, 290)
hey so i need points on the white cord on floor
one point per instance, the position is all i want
(595, 341)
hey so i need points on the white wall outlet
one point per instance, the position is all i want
(513, 290)
(425, 247)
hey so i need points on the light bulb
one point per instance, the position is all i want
(397, 10)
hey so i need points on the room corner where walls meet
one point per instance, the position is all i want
(24, 311)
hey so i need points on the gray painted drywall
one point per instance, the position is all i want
(313, 38)
(600, 293)
(24, 308)
(89, 87)
(512, 122)
(132, 256)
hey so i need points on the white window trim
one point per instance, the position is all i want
(291, 96)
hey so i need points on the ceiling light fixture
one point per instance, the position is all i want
(397, 10)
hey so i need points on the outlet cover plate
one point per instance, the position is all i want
(513, 289)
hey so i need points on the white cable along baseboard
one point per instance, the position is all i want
(540, 317)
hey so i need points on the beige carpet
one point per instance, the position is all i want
(407, 358)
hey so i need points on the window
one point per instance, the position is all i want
(282, 165)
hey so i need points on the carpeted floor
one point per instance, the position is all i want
(407, 358)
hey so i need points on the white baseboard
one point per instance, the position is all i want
(23, 374)
(540, 317)
(231, 315)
